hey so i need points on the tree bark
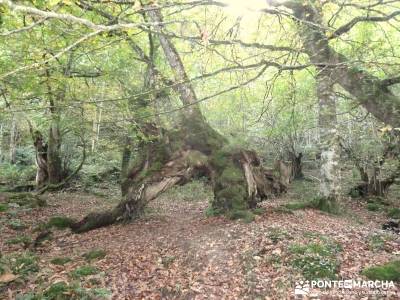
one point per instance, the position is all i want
(194, 149)
(372, 93)
(329, 144)
(317, 47)
(13, 140)
(297, 165)
(40, 159)
(54, 165)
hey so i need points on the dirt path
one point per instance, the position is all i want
(176, 252)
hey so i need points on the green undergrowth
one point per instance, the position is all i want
(60, 261)
(388, 271)
(94, 254)
(65, 291)
(20, 239)
(394, 213)
(3, 207)
(377, 241)
(84, 271)
(24, 199)
(277, 234)
(317, 259)
(60, 222)
(318, 203)
(16, 224)
(19, 264)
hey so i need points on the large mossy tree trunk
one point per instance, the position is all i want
(176, 157)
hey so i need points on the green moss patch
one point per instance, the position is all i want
(84, 271)
(3, 207)
(25, 199)
(320, 203)
(64, 291)
(21, 264)
(388, 271)
(16, 224)
(60, 261)
(60, 222)
(21, 239)
(277, 234)
(95, 254)
(374, 207)
(394, 213)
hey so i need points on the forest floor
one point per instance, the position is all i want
(177, 252)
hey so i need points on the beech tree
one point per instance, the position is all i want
(167, 155)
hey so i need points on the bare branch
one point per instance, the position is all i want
(348, 26)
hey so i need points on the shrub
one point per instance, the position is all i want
(16, 174)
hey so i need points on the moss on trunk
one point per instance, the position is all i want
(239, 181)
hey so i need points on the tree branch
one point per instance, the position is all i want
(348, 26)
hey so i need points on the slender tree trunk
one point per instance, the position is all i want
(1, 142)
(329, 146)
(13, 140)
(297, 165)
(40, 159)
(54, 164)
(125, 163)
(94, 130)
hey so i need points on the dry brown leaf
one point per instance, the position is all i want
(7, 277)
